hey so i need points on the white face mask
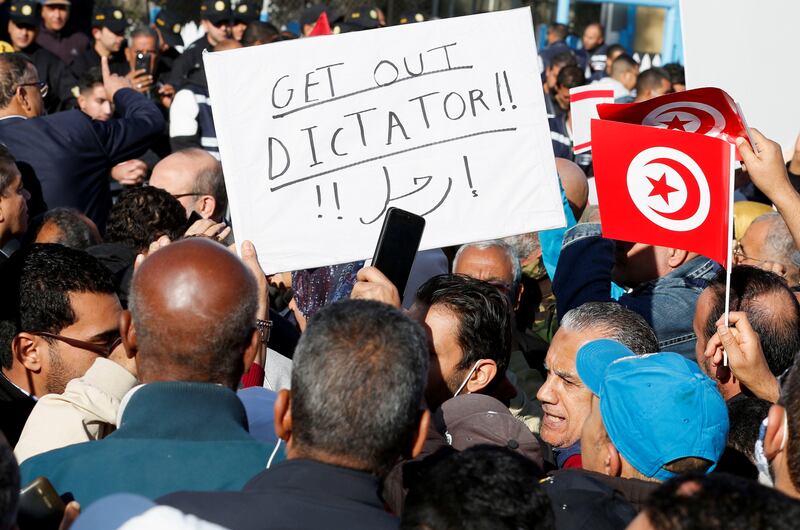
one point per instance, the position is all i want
(466, 379)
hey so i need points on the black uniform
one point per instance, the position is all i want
(117, 63)
(596, 63)
(72, 154)
(57, 76)
(189, 64)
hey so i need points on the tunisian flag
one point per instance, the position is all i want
(708, 111)
(663, 187)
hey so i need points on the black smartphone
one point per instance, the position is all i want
(398, 245)
(143, 62)
(40, 507)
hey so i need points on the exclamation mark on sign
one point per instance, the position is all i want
(336, 198)
(319, 201)
(500, 93)
(469, 176)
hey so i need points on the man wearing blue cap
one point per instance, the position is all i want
(653, 417)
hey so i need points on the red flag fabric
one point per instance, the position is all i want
(322, 27)
(709, 111)
(663, 187)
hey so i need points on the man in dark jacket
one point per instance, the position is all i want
(192, 331)
(355, 407)
(57, 35)
(70, 153)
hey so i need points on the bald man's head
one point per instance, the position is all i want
(195, 178)
(576, 186)
(193, 309)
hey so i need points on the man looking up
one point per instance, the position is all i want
(56, 35)
(653, 417)
(60, 312)
(359, 363)
(73, 173)
(192, 332)
(195, 178)
(565, 398)
(23, 25)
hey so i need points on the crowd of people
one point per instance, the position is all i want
(154, 377)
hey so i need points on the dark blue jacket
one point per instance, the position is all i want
(173, 436)
(295, 494)
(666, 303)
(72, 155)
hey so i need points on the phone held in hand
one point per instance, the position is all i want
(40, 507)
(397, 246)
(143, 62)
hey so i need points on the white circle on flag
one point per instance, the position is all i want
(669, 188)
(688, 116)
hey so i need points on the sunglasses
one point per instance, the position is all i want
(103, 351)
(41, 85)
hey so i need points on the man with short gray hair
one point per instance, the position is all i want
(355, 408)
(768, 244)
(565, 399)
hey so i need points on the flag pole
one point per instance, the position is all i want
(729, 256)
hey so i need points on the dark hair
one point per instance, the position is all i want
(142, 215)
(89, 79)
(615, 322)
(790, 399)
(745, 415)
(9, 486)
(651, 79)
(559, 30)
(259, 32)
(777, 325)
(36, 283)
(483, 314)
(13, 68)
(8, 168)
(614, 48)
(483, 487)
(719, 501)
(563, 59)
(358, 380)
(676, 73)
(570, 77)
(75, 232)
(623, 63)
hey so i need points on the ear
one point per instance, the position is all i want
(613, 461)
(252, 349)
(773, 441)
(206, 206)
(422, 432)
(29, 350)
(128, 333)
(482, 376)
(676, 257)
(23, 99)
(283, 416)
(96, 33)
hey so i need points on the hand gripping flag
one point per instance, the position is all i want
(663, 187)
(708, 111)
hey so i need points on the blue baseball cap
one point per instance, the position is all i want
(656, 408)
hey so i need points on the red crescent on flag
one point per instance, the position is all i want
(706, 119)
(692, 203)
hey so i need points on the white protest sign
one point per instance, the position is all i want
(745, 48)
(320, 136)
(583, 102)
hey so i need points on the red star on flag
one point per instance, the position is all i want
(676, 123)
(660, 187)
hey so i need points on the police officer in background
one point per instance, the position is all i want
(594, 49)
(108, 32)
(365, 17)
(243, 14)
(216, 19)
(23, 25)
(57, 34)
